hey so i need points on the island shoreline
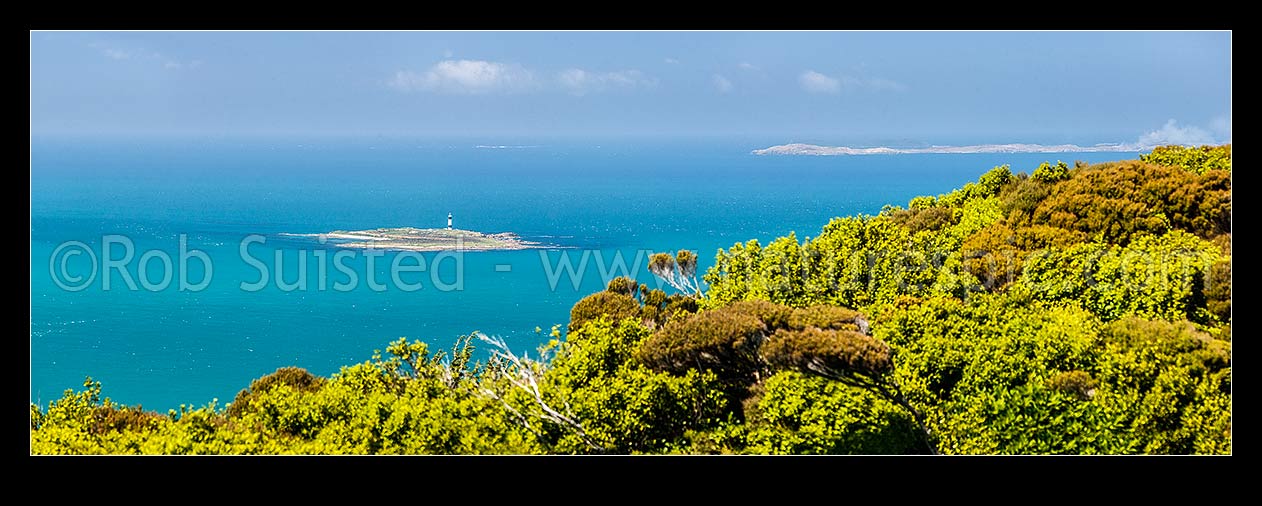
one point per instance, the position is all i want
(425, 239)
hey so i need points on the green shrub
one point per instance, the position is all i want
(115, 419)
(1019, 200)
(925, 219)
(830, 353)
(623, 405)
(1217, 290)
(1047, 173)
(295, 377)
(804, 415)
(613, 305)
(723, 340)
(774, 316)
(1114, 203)
(823, 316)
(622, 285)
(994, 180)
(1198, 160)
(1077, 383)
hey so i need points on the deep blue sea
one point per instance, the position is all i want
(160, 346)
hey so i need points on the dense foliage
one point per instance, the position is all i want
(1071, 310)
(1198, 160)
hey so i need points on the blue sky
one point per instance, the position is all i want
(1082, 87)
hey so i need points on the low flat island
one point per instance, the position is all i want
(426, 239)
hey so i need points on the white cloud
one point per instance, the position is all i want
(581, 82)
(476, 77)
(747, 66)
(671, 61)
(142, 55)
(722, 84)
(469, 77)
(1171, 133)
(816, 82)
(175, 65)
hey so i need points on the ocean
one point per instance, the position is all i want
(154, 343)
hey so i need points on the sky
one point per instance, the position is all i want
(885, 87)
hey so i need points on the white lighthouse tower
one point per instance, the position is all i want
(448, 221)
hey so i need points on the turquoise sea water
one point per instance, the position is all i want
(164, 347)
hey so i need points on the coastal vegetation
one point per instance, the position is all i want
(1080, 309)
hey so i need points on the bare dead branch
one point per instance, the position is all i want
(524, 375)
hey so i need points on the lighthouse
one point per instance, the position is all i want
(448, 221)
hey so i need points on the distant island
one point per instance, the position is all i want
(815, 150)
(426, 239)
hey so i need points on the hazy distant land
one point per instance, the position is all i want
(426, 239)
(815, 150)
